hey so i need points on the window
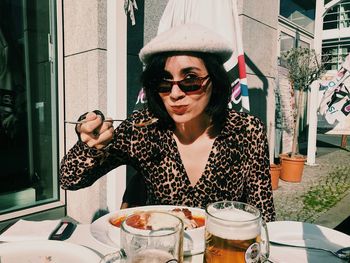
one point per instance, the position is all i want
(28, 105)
(303, 44)
(295, 26)
(344, 15)
(337, 17)
(300, 12)
(335, 51)
(330, 21)
(287, 42)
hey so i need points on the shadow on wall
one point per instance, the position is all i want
(258, 95)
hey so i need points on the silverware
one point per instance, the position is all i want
(343, 253)
(136, 124)
(84, 121)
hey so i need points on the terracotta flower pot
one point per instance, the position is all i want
(282, 155)
(292, 168)
(275, 171)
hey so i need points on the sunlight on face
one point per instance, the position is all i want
(186, 107)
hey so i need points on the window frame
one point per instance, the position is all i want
(57, 77)
(298, 33)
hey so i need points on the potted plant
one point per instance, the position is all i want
(304, 67)
(275, 171)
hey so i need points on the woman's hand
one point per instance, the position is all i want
(94, 131)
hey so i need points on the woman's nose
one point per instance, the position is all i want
(176, 92)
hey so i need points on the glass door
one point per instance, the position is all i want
(28, 105)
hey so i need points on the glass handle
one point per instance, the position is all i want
(113, 257)
(265, 242)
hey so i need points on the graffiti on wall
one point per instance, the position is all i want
(334, 102)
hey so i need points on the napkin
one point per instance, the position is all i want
(24, 230)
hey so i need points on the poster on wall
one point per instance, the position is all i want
(334, 101)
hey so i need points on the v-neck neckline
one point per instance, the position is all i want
(182, 166)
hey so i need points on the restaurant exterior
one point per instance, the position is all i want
(78, 56)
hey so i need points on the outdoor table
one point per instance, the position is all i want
(309, 234)
(288, 232)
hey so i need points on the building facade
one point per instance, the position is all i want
(80, 56)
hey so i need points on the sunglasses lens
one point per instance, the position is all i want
(188, 85)
(165, 86)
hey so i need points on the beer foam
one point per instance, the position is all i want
(236, 225)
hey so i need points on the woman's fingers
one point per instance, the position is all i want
(92, 124)
(96, 133)
(104, 127)
(99, 141)
(104, 138)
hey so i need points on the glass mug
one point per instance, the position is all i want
(233, 233)
(158, 241)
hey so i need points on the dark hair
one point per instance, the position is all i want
(221, 87)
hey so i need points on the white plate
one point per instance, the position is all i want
(298, 233)
(39, 251)
(193, 242)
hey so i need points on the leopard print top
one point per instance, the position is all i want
(237, 167)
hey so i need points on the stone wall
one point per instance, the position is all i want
(85, 84)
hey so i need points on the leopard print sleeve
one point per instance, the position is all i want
(258, 183)
(83, 165)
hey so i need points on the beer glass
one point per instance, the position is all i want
(234, 233)
(159, 240)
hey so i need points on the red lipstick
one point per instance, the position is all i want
(179, 109)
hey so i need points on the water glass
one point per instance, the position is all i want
(158, 241)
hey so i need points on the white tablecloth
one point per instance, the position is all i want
(297, 233)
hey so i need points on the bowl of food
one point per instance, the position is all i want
(192, 218)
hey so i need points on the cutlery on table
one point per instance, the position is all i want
(343, 253)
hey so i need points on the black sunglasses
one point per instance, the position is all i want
(186, 85)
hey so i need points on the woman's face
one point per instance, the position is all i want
(184, 106)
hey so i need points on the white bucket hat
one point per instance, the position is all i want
(188, 38)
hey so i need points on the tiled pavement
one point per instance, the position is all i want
(323, 195)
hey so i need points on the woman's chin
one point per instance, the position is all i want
(180, 119)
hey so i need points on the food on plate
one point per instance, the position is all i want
(143, 220)
(190, 221)
(194, 221)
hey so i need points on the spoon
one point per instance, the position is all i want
(136, 124)
(84, 121)
(343, 253)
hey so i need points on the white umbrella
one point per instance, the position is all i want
(222, 17)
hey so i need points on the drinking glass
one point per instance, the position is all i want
(158, 241)
(234, 233)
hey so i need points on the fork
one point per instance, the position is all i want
(343, 253)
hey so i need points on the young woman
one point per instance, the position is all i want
(190, 149)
